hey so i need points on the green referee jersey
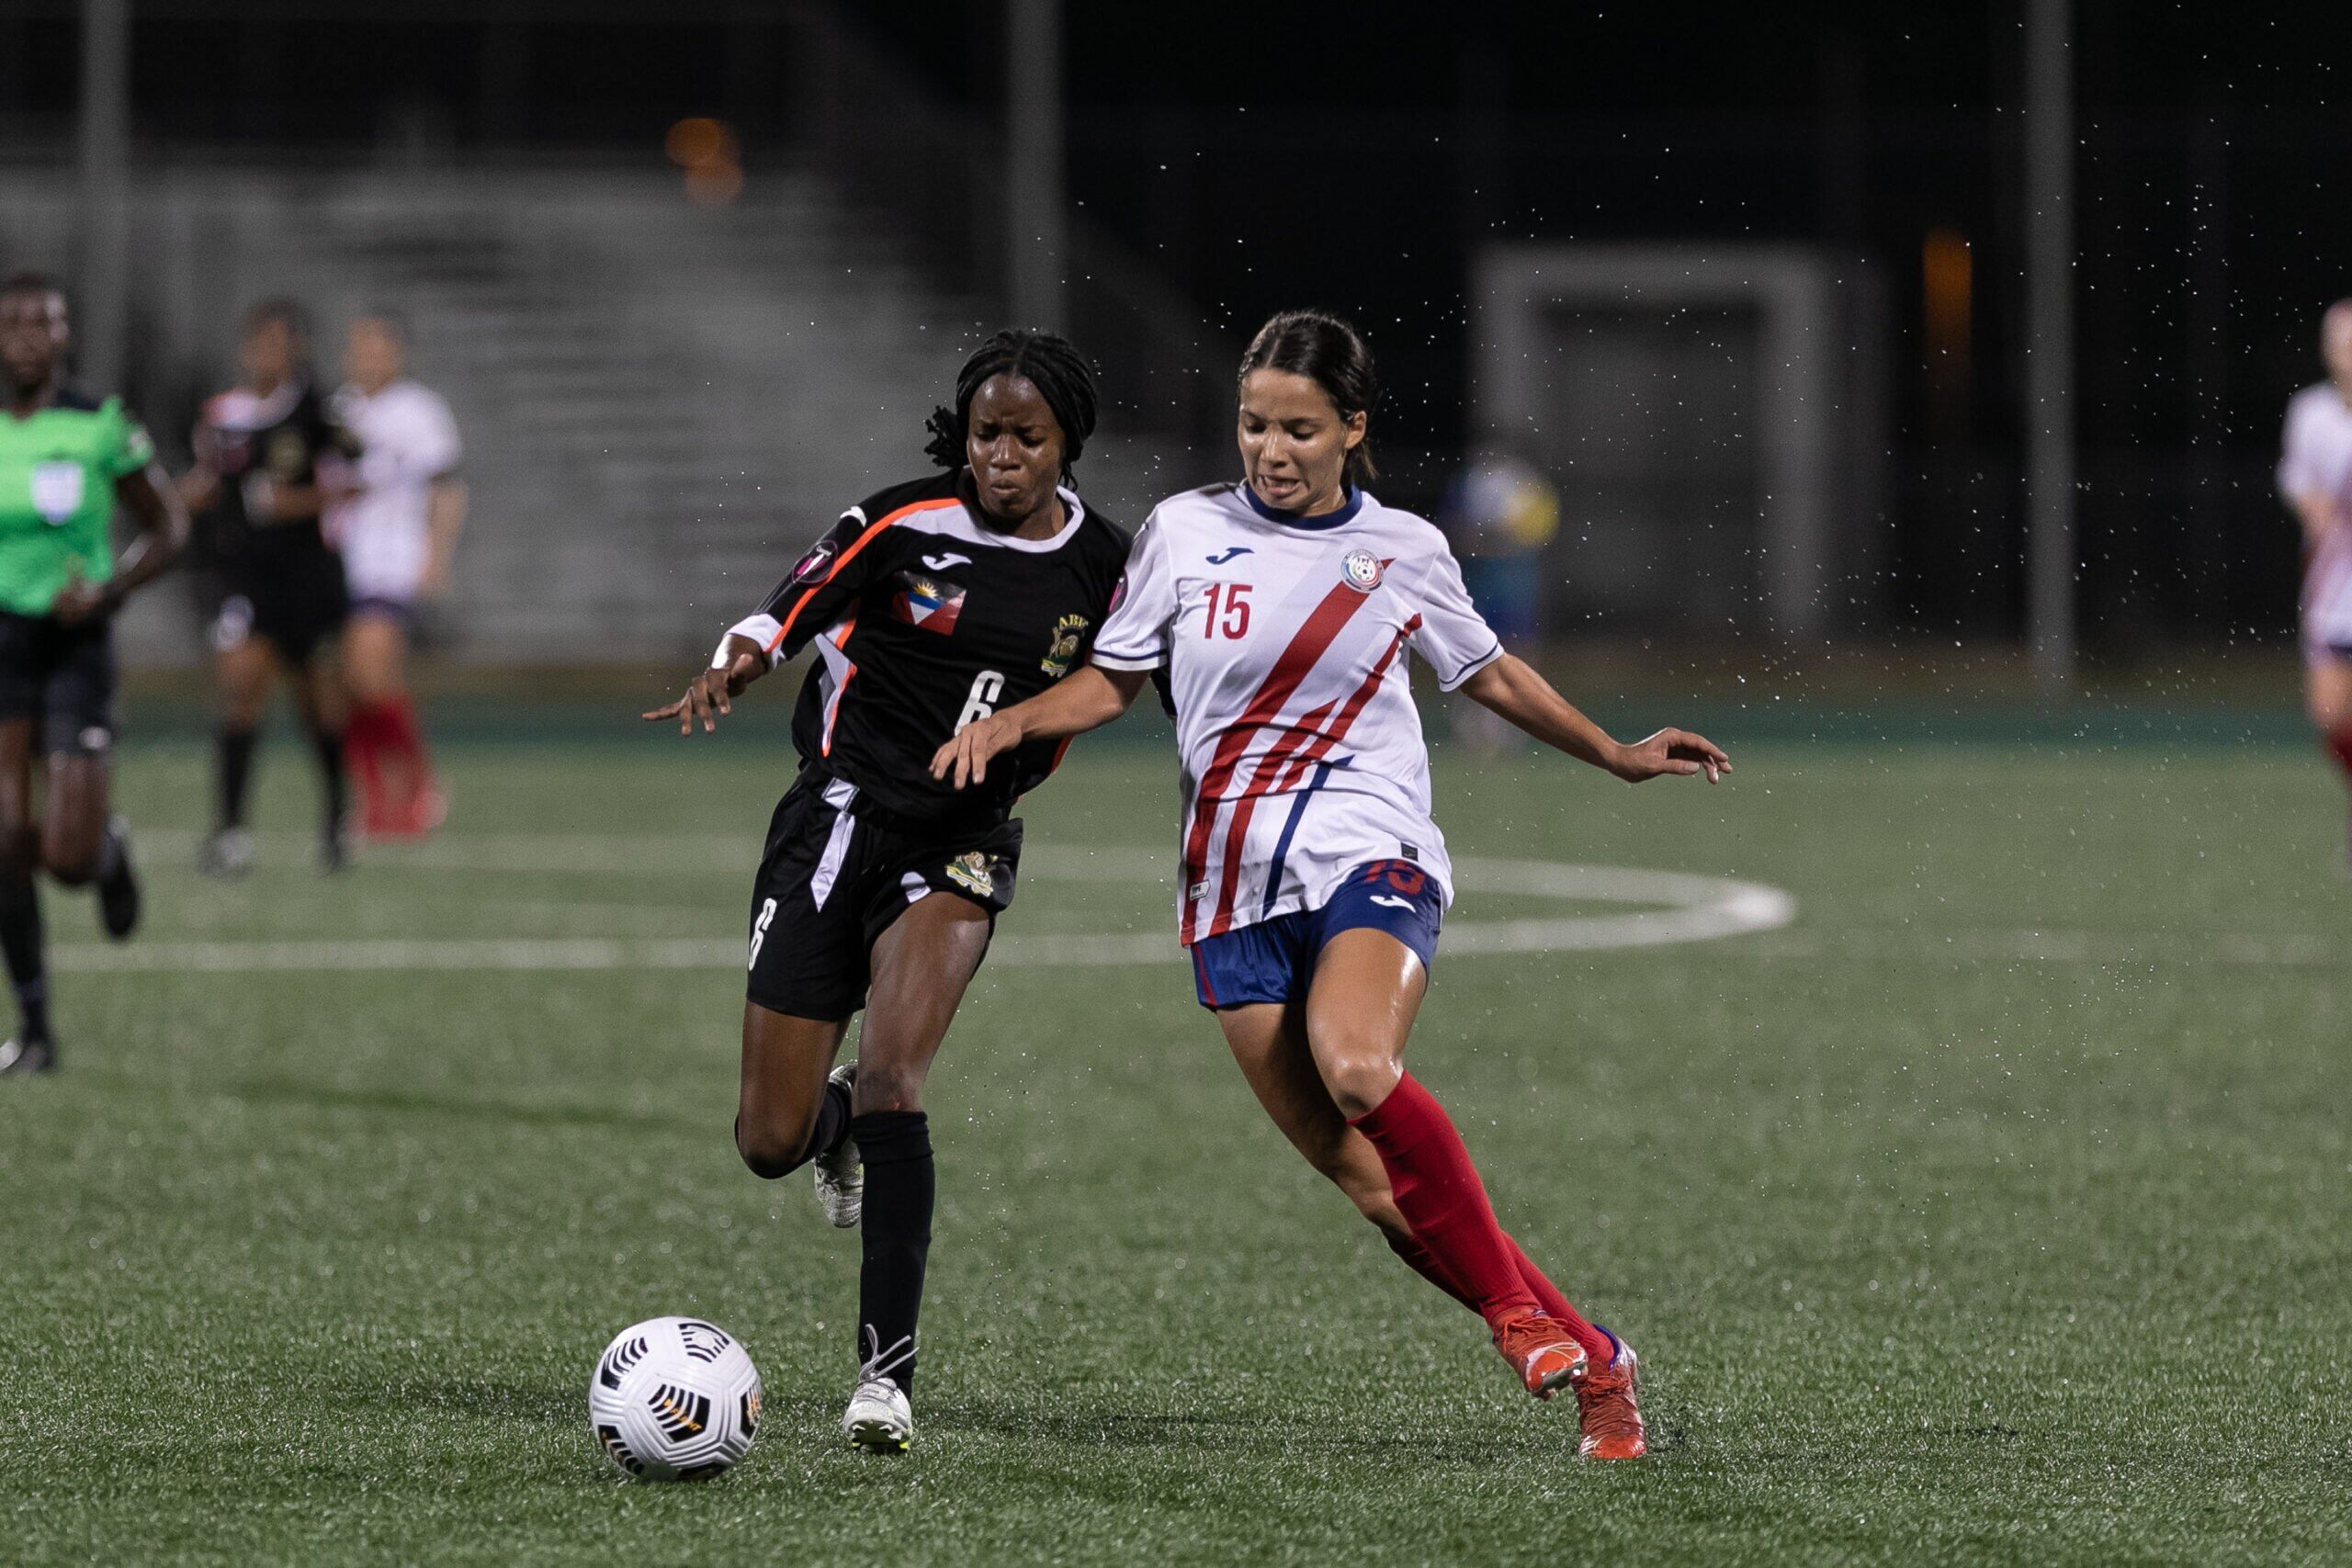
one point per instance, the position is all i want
(57, 475)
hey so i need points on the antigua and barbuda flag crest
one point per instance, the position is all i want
(928, 604)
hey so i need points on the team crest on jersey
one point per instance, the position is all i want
(1365, 571)
(289, 455)
(972, 872)
(924, 602)
(57, 487)
(1064, 653)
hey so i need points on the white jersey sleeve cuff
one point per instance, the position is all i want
(1115, 662)
(1472, 669)
(761, 629)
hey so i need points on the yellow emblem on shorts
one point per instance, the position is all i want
(971, 871)
(1064, 653)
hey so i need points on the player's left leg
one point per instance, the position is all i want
(1269, 1044)
(2327, 695)
(82, 841)
(400, 796)
(1362, 1004)
(317, 700)
(921, 965)
(33, 1049)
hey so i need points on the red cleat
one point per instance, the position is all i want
(1543, 1352)
(1606, 1406)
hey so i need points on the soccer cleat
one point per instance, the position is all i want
(840, 1175)
(227, 854)
(880, 1418)
(1541, 1351)
(1606, 1406)
(22, 1058)
(118, 881)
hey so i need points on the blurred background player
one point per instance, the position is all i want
(2315, 477)
(396, 534)
(67, 461)
(1498, 514)
(265, 452)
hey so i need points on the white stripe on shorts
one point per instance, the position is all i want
(838, 795)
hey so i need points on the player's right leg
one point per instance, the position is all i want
(243, 665)
(32, 1049)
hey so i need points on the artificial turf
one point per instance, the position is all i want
(1994, 1210)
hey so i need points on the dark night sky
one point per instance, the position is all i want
(1355, 156)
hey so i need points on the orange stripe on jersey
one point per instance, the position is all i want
(846, 556)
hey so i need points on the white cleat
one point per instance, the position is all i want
(841, 1176)
(880, 1418)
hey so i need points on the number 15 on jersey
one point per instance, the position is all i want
(1234, 623)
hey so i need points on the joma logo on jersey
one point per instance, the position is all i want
(1064, 653)
(923, 603)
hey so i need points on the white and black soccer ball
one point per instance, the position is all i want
(674, 1399)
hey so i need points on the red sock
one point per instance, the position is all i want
(1438, 1191)
(2338, 742)
(1555, 1306)
(1417, 1258)
(363, 750)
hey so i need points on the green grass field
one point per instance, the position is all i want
(1994, 1210)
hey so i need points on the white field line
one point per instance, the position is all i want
(1687, 908)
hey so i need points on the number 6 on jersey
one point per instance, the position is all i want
(987, 686)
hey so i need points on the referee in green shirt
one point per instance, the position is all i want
(67, 462)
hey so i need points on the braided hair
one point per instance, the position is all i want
(1059, 373)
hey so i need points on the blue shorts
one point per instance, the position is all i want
(1273, 960)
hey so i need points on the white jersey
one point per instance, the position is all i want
(1301, 750)
(407, 440)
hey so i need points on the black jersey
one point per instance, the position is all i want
(256, 444)
(925, 618)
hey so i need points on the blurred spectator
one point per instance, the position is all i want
(1499, 514)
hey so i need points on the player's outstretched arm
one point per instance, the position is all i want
(711, 693)
(1089, 699)
(1511, 687)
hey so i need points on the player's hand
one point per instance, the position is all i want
(1670, 751)
(965, 759)
(709, 695)
(81, 602)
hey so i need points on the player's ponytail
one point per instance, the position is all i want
(1329, 352)
(1049, 363)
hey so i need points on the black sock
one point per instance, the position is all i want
(832, 1121)
(896, 1149)
(20, 939)
(329, 746)
(111, 858)
(232, 757)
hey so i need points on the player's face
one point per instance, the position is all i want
(372, 356)
(32, 336)
(2335, 346)
(1014, 445)
(268, 353)
(1294, 445)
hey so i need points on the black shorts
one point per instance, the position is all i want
(62, 677)
(295, 598)
(833, 880)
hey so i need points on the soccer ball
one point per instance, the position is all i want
(674, 1399)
